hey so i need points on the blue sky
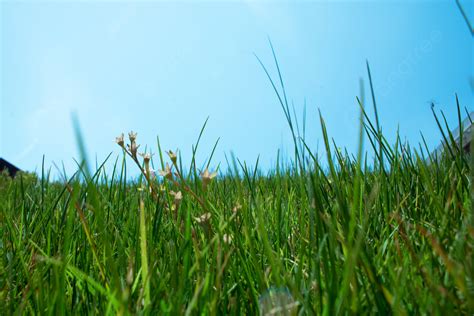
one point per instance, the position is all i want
(161, 68)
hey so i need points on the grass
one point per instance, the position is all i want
(392, 235)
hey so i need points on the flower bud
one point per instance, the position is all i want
(206, 177)
(172, 156)
(119, 140)
(132, 136)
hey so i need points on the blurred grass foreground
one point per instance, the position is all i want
(350, 235)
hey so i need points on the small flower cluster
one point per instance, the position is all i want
(173, 176)
(177, 198)
(206, 177)
(131, 149)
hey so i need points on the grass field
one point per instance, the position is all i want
(350, 235)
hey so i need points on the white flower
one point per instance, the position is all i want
(178, 196)
(236, 208)
(206, 177)
(204, 218)
(227, 239)
(167, 172)
(146, 157)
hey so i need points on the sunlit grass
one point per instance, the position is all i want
(390, 235)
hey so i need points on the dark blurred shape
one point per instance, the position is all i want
(11, 169)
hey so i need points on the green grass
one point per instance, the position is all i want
(347, 236)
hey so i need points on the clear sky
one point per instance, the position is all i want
(161, 68)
